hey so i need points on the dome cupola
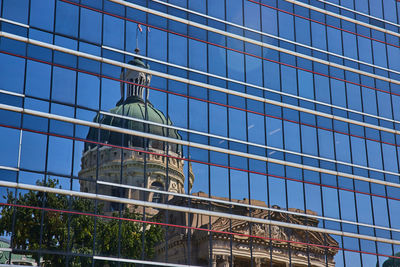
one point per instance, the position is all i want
(138, 81)
(131, 111)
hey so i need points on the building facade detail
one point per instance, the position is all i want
(141, 164)
(269, 248)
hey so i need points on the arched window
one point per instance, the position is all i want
(156, 144)
(157, 196)
(136, 86)
(130, 87)
(117, 192)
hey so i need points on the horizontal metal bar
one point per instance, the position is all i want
(9, 168)
(194, 161)
(14, 22)
(191, 82)
(250, 143)
(152, 263)
(193, 144)
(252, 41)
(193, 210)
(332, 14)
(245, 205)
(359, 13)
(275, 37)
(11, 93)
(251, 85)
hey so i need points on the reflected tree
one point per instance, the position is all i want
(64, 232)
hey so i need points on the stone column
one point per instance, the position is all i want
(214, 261)
(257, 262)
(225, 261)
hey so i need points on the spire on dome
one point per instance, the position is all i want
(134, 81)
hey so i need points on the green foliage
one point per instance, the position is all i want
(64, 232)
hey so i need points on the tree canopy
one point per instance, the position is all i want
(65, 232)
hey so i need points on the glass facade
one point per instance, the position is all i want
(200, 133)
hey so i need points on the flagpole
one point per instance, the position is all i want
(137, 38)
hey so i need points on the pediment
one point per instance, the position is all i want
(279, 235)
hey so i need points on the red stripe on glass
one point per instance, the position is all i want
(197, 161)
(322, 23)
(231, 49)
(191, 228)
(203, 100)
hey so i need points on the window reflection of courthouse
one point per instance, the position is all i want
(263, 243)
(138, 169)
(133, 169)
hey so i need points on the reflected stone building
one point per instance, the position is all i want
(391, 262)
(137, 169)
(268, 242)
(167, 173)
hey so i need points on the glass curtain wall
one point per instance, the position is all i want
(200, 133)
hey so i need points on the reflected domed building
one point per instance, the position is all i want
(135, 171)
(139, 169)
(249, 244)
(391, 262)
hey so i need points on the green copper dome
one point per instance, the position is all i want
(392, 262)
(138, 62)
(133, 107)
